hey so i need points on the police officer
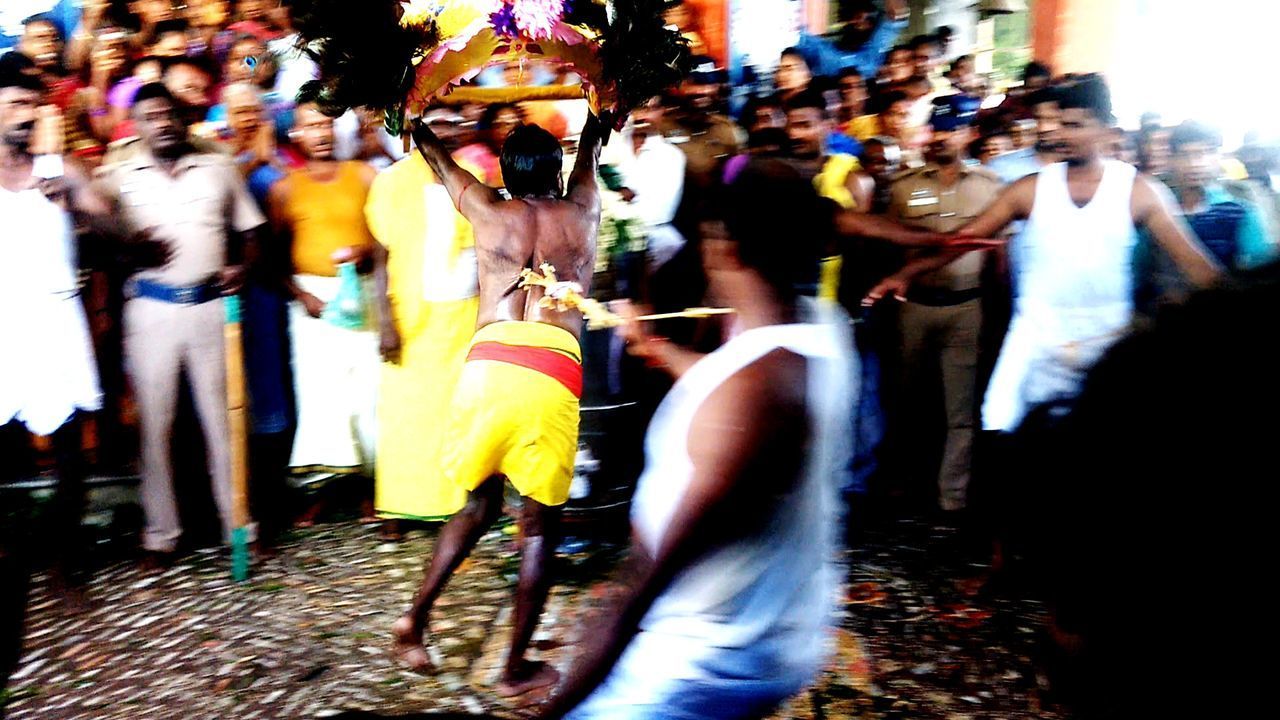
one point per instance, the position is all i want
(941, 320)
(197, 205)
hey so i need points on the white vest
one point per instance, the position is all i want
(760, 607)
(1074, 284)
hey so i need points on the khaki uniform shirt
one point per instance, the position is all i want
(705, 150)
(192, 210)
(918, 199)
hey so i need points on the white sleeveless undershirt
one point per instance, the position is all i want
(1074, 285)
(758, 608)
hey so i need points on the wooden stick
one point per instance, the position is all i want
(697, 312)
(236, 409)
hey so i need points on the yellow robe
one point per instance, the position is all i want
(434, 301)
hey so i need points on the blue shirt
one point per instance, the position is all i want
(64, 13)
(1232, 229)
(1013, 166)
(841, 144)
(825, 58)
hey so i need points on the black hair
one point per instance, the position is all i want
(19, 71)
(1043, 95)
(769, 137)
(920, 41)
(889, 98)
(957, 61)
(824, 83)
(944, 32)
(749, 209)
(1193, 132)
(900, 47)
(850, 71)
(1036, 69)
(172, 25)
(47, 19)
(154, 91)
(1090, 93)
(169, 63)
(810, 97)
(794, 52)
(849, 8)
(754, 104)
(883, 141)
(490, 114)
(531, 162)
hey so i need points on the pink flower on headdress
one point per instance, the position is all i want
(538, 18)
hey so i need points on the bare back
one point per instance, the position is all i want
(524, 233)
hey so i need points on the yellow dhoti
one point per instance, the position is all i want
(432, 276)
(515, 411)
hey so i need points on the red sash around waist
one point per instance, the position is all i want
(552, 363)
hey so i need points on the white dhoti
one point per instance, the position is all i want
(47, 368)
(336, 374)
(1046, 355)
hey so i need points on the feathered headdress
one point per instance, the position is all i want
(400, 56)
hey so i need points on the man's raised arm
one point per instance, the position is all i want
(582, 188)
(469, 195)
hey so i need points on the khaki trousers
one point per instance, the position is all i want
(161, 339)
(941, 344)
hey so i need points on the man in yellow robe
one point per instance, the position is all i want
(425, 274)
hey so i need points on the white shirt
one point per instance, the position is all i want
(47, 370)
(656, 175)
(296, 68)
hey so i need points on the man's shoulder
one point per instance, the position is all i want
(984, 175)
(916, 174)
(723, 125)
(205, 158)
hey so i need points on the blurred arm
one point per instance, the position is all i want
(1153, 208)
(469, 195)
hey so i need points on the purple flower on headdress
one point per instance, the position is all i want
(504, 21)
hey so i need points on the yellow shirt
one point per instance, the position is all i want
(326, 216)
(864, 127)
(832, 183)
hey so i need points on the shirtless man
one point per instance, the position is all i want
(515, 409)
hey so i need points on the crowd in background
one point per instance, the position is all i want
(871, 126)
(272, 202)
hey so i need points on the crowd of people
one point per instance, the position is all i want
(988, 246)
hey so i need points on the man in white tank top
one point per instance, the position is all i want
(48, 375)
(731, 583)
(1073, 278)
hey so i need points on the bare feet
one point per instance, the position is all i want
(531, 676)
(309, 516)
(408, 647)
(157, 561)
(368, 514)
(390, 531)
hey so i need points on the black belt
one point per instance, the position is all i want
(177, 295)
(934, 297)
